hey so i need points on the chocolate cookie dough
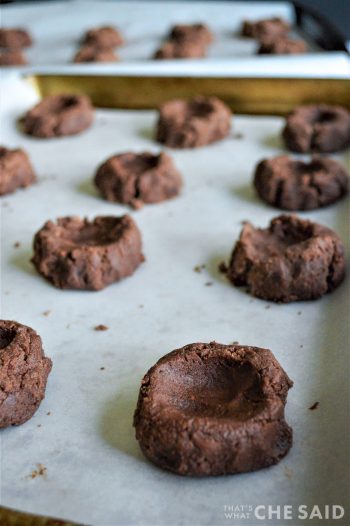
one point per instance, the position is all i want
(213, 409)
(296, 185)
(138, 178)
(193, 123)
(95, 54)
(15, 170)
(76, 253)
(23, 373)
(15, 38)
(12, 57)
(293, 259)
(59, 115)
(281, 46)
(186, 41)
(181, 49)
(317, 128)
(105, 37)
(267, 28)
(199, 32)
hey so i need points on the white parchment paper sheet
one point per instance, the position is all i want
(95, 471)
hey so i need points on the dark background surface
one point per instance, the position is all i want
(337, 12)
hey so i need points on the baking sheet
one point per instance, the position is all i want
(82, 434)
(58, 26)
(144, 25)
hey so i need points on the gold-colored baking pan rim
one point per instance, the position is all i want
(255, 96)
(10, 517)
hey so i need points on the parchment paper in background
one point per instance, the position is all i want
(95, 471)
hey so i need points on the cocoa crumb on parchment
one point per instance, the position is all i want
(40, 471)
(101, 327)
(223, 267)
(288, 472)
(314, 406)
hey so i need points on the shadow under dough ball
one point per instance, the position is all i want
(15, 38)
(15, 170)
(59, 115)
(293, 259)
(136, 179)
(23, 373)
(193, 123)
(318, 128)
(212, 409)
(12, 57)
(172, 49)
(89, 53)
(76, 253)
(281, 46)
(296, 185)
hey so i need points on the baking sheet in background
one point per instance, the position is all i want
(95, 470)
(57, 28)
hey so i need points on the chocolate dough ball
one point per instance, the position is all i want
(15, 38)
(15, 170)
(267, 28)
(194, 32)
(192, 123)
(185, 41)
(59, 115)
(136, 179)
(293, 259)
(23, 373)
(318, 128)
(105, 37)
(212, 409)
(296, 185)
(76, 253)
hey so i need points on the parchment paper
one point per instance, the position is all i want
(82, 433)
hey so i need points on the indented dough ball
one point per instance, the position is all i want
(59, 115)
(213, 409)
(23, 373)
(192, 123)
(75, 253)
(293, 259)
